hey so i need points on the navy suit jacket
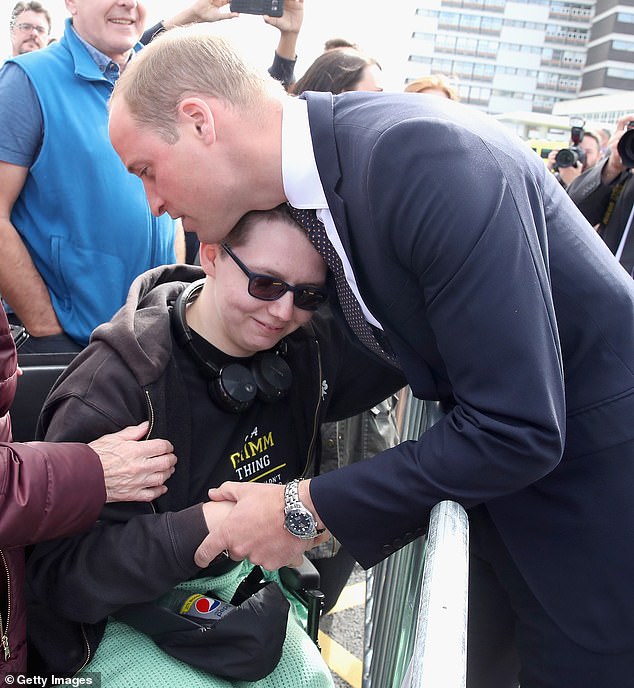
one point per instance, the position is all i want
(497, 296)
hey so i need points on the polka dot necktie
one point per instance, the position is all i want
(316, 232)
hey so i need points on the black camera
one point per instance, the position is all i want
(625, 146)
(569, 157)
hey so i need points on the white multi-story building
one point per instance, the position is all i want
(610, 57)
(525, 55)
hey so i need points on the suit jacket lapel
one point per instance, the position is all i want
(321, 119)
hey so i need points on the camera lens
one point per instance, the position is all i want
(566, 158)
(625, 148)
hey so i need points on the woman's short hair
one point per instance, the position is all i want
(436, 82)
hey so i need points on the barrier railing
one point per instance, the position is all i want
(439, 657)
(416, 599)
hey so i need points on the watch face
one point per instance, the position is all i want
(300, 522)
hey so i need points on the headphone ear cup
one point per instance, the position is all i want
(272, 375)
(233, 389)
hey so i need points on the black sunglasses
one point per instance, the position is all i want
(269, 288)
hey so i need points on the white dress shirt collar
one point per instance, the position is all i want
(302, 185)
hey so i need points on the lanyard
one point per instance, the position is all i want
(626, 231)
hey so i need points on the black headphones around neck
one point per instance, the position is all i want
(233, 387)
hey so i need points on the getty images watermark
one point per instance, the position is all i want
(88, 679)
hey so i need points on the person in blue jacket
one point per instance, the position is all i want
(74, 226)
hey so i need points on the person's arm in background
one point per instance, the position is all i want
(21, 285)
(289, 25)
(199, 11)
(180, 248)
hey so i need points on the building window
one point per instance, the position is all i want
(623, 45)
(466, 46)
(491, 24)
(618, 73)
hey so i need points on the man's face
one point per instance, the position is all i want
(184, 179)
(591, 148)
(30, 32)
(111, 27)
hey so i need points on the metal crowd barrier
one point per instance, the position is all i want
(416, 599)
(439, 658)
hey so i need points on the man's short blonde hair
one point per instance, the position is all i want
(185, 62)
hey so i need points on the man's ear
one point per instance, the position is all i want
(208, 256)
(196, 112)
(70, 6)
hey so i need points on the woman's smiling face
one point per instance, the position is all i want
(243, 324)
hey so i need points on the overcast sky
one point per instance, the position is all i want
(380, 31)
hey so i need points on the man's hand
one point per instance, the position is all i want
(254, 529)
(134, 471)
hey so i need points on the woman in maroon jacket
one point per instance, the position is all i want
(48, 490)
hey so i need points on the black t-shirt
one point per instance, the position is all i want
(259, 444)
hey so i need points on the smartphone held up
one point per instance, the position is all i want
(272, 8)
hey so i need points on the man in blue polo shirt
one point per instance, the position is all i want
(75, 227)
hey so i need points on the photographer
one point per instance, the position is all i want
(605, 195)
(583, 153)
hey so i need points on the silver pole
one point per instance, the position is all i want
(393, 586)
(439, 659)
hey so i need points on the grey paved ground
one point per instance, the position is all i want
(346, 627)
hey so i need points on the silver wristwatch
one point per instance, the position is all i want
(297, 518)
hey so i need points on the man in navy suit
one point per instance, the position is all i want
(497, 298)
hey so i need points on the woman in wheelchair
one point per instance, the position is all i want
(228, 363)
